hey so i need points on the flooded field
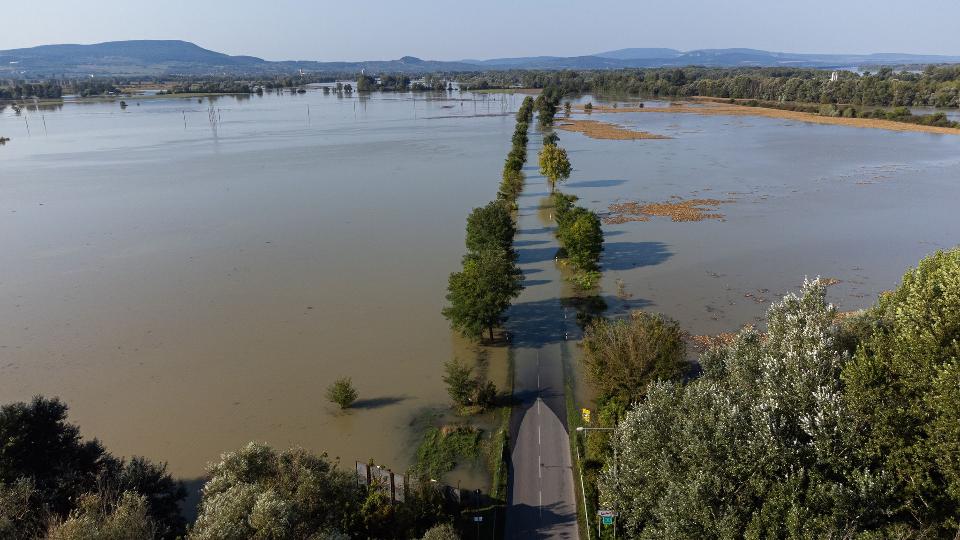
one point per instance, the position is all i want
(186, 290)
(786, 200)
(189, 276)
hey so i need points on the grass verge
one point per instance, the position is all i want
(584, 507)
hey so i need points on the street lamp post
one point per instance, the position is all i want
(616, 472)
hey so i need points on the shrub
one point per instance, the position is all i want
(622, 356)
(459, 380)
(342, 392)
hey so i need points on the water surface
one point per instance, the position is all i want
(189, 276)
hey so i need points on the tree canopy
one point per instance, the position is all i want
(481, 292)
(910, 357)
(46, 469)
(786, 435)
(624, 356)
(490, 227)
(554, 164)
(258, 492)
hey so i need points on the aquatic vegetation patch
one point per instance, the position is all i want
(443, 447)
(596, 129)
(676, 210)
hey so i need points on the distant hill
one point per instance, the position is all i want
(633, 54)
(138, 57)
(173, 57)
(170, 57)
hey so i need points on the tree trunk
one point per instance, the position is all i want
(491, 334)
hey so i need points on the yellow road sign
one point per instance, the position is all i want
(586, 415)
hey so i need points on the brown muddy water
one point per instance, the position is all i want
(188, 289)
(188, 280)
(799, 200)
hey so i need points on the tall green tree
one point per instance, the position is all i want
(490, 227)
(903, 387)
(758, 447)
(49, 468)
(581, 235)
(481, 293)
(554, 164)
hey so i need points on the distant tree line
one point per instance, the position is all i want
(55, 89)
(935, 86)
(43, 90)
(896, 114)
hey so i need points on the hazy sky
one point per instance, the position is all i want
(448, 30)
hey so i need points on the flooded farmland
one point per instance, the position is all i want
(190, 275)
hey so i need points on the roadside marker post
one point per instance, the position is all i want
(607, 517)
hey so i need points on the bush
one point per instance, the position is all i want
(342, 392)
(441, 448)
(459, 380)
(442, 532)
(585, 280)
(485, 395)
(97, 518)
(622, 356)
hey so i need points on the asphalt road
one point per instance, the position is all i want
(541, 500)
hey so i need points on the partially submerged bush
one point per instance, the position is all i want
(342, 392)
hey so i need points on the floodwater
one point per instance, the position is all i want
(189, 276)
(803, 200)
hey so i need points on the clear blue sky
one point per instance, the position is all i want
(448, 30)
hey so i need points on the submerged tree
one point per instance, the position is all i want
(481, 293)
(554, 164)
(342, 392)
(459, 380)
(581, 235)
(490, 227)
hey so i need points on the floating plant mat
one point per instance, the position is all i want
(596, 129)
(677, 210)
